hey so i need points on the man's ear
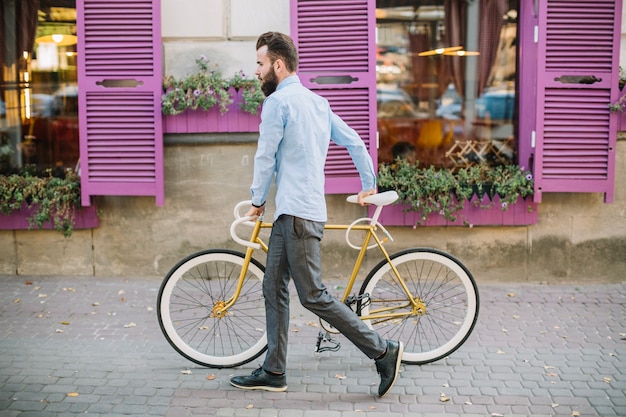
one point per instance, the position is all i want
(279, 65)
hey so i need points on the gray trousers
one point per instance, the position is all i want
(294, 251)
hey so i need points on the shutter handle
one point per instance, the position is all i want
(127, 82)
(334, 79)
(578, 79)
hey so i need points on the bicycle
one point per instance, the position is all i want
(211, 310)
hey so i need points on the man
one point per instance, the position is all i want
(296, 127)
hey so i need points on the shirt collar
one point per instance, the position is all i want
(292, 79)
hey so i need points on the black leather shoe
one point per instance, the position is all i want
(389, 365)
(260, 379)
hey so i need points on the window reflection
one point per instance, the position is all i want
(38, 87)
(446, 81)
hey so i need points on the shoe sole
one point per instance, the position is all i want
(398, 362)
(260, 387)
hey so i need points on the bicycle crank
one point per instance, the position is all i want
(322, 337)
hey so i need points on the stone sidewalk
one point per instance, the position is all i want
(92, 346)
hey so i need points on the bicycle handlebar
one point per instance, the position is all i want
(233, 232)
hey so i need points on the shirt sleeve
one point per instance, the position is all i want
(344, 135)
(271, 132)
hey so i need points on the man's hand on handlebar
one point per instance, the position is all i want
(364, 194)
(255, 212)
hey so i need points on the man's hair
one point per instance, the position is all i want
(279, 46)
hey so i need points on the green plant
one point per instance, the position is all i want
(51, 198)
(434, 190)
(207, 88)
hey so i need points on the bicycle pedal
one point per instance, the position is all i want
(325, 338)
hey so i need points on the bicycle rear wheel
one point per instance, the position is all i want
(443, 288)
(185, 308)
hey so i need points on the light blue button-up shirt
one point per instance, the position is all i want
(294, 135)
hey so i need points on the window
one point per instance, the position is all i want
(446, 81)
(38, 86)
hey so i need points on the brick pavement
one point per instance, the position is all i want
(92, 346)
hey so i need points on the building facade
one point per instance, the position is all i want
(160, 201)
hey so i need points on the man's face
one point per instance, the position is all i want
(265, 72)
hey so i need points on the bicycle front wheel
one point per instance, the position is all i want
(192, 294)
(443, 311)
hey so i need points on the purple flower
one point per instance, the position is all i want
(203, 57)
(505, 204)
(196, 93)
(529, 177)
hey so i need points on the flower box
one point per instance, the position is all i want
(477, 212)
(212, 120)
(85, 218)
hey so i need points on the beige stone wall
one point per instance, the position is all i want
(578, 237)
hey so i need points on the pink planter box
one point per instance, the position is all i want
(85, 218)
(212, 121)
(522, 212)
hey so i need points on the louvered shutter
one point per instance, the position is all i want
(121, 137)
(335, 42)
(577, 79)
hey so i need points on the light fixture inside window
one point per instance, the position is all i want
(462, 53)
(58, 39)
(441, 51)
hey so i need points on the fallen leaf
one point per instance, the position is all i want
(295, 330)
(121, 292)
(548, 367)
(210, 377)
(443, 398)
(17, 300)
(28, 283)
(96, 304)
(312, 324)
(497, 415)
(511, 294)
(555, 405)
(65, 323)
(515, 316)
(42, 295)
(500, 352)
(69, 289)
(340, 376)
(250, 406)
(59, 331)
(186, 372)
(372, 407)
(575, 413)
(203, 328)
(607, 379)
(467, 403)
(551, 374)
(131, 324)
(72, 394)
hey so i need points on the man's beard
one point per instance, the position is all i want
(269, 83)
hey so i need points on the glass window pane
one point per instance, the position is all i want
(38, 86)
(446, 87)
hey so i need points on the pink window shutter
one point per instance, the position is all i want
(336, 41)
(121, 136)
(578, 53)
